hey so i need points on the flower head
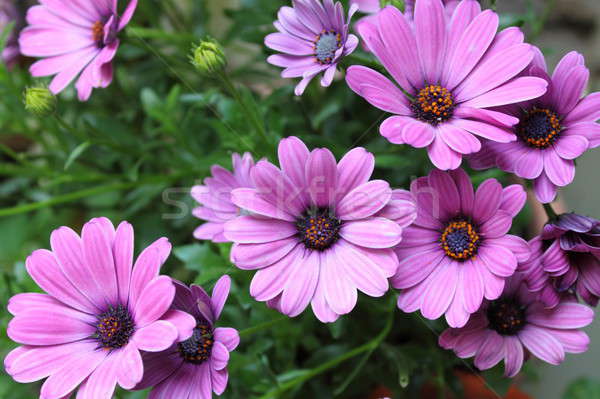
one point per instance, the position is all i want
(39, 100)
(566, 260)
(76, 39)
(317, 230)
(553, 130)
(313, 37)
(199, 363)
(215, 197)
(515, 326)
(208, 57)
(99, 312)
(454, 69)
(458, 251)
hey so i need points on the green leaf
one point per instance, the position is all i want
(583, 388)
(76, 153)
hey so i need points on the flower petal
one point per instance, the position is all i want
(155, 337)
(252, 230)
(301, 285)
(364, 201)
(542, 344)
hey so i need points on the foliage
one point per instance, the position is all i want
(135, 149)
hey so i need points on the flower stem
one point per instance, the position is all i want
(250, 111)
(262, 326)
(369, 346)
(550, 212)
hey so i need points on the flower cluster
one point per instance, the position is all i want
(316, 230)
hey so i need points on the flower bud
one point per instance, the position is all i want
(208, 57)
(39, 100)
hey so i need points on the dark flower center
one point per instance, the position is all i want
(326, 44)
(506, 316)
(539, 128)
(114, 328)
(434, 104)
(98, 32)
(319, 229)
(460, 240)
(198, 347)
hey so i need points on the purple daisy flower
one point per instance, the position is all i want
(458, 251)
(99, 312)
(8, 14)
(196, 367)
(454, 69)
(318, 231)
(313, 36)
(215, 197)
(515, 326)
(566, 260)
(74, 38)
(552, 131)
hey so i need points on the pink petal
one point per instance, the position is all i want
(219, 295)
(219, 356)
(321, 177)
(499, 260)
(490, 352)
(560, 171)
(219, 380)
(440, 293)
(147, 266)
(378, 90)
(182, 321)
(459, 139)
(364, 201)
(372, 233)
(271, 280)
(130, 369)
(445, 189)
(340, 293)
(258, 256)
(228, 337)
(472, 286)
(416, 134)
(416, 268)
(545, 191)
(293, 156)
(354, 169)
(586, 110)
(360, 269)
(513, 199)
(515, 91)
(567, 315)
(513, 356)
(154, 301)
(487, 200)
(430, 32)
(442, 156)
(155, 337)
(253, 201)
(252, 230)
(301, 285)
(571, 146)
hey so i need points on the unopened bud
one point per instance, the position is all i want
(39, 100)
(208, 57)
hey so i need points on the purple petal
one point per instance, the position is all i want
(320, 306)
(301, 285)
(367, 276)
(270, 281)
(465, 189)
(258, 256)
(571, 146)
(513, 199)
(586, 110)
(572, 341)
(441, 291)
(147, 266)
(321, 177)
(515, 91)
(513, 356)
(490, 352)
(568, 91)
(123, 256)
(131, 369)
(442, 156)
(372, 233)
(154, 301)
(545, 191)
(497, 226)
(354, 169)
(499, 260)
(486, 130)
(445, 189)
(364, 201)
(416, 268)
(252, 230)
(340, 293)
(293, 156)
(252, 200)
(378, 90)
(219, 380)
(179, 383)
(73, 372)
(219, 295)
(288, 44)
(542, 344)
(158, 366)
(416, 134)
(219, 356)
(155, 337)
(182, 321)
(518, 246)
(459, 139)
(430, 32)
(471, 286)
(560, 171)
(21, 303)
(487, 200)
(227, 336)
(567, 315)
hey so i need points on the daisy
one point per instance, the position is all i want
(99, 312)
(515, 326)
(566, 260)
(458, 251)
(215, 197)
(76, 39)
(553, 130)
(198, 366)
(318, 230)
(453, 70)
(313, 37)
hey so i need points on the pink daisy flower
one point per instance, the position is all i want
(198, 366)
(313, 37)
(553, 130)
(74, 38)
(454, 69)
(318, 231)
(566, 260)
(515, 326)
(215, 197)
(99, 312)
(458, 251)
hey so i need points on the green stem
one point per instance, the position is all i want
(251, 115)
(550, 212)
(262, 326)
(369, 346)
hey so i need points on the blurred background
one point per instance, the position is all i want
(135, 149)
